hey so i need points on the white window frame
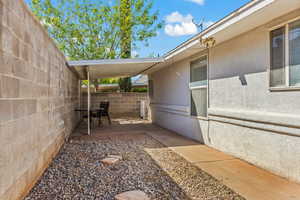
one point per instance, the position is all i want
(191, 87)
(287, 86)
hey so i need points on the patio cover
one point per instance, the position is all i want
(94, 69)
(112, 67)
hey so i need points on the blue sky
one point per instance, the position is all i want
(180, 12)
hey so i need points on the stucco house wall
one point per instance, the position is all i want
(246, 119)
(38, 95)
(170, 104)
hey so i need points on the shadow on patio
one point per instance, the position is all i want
(124, 125)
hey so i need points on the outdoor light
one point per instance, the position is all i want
(208, 42)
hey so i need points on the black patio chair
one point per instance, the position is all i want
(103, 112)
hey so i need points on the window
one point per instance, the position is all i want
(199, 72)
(198, 87)
(285, 56)
(294, 53)
(277, 57)
(199, 102)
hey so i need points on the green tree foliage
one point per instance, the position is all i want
(126, 38)
(108, 80)
(140, 90)
(126, 27)
(95, 29)
(125, 84)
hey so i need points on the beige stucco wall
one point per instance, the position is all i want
(170, 104)
(250, 121)
(38, 95)
(246, 119)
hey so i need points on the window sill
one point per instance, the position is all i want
(198, 87)
(283, 89)
(199, 117)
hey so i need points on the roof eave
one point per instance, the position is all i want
(229, 17)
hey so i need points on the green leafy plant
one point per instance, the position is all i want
(140, 90)
(90, 29)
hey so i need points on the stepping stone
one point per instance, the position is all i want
(115, 156)
(132, 195)
(111, 159)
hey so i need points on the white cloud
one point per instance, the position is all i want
(179, 25)
(200, 2)
(180, 29)
(177, 17)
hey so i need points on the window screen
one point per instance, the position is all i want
(277, 76)
(199, 71)
(199, 102)
(199, 94)
(294, 53)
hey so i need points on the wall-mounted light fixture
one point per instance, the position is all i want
(208, 42)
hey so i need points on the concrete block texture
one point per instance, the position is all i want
(121, 104)
(6, 110)
(9, 87)
(38, 94)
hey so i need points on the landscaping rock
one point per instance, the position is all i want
(132, 195)
(111, 159)
(115, 156)
(145, 165)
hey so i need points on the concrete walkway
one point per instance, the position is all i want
(249, 181)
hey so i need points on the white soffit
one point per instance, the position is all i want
(112, 67)
(258, 15)
(186, 52)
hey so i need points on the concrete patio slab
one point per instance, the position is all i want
(170, 139)
(250, 181)
(201, 153)
(189, 149)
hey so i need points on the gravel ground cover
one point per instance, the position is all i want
(146, 165)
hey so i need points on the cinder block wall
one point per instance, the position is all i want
(38, 94)
(121, 104)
